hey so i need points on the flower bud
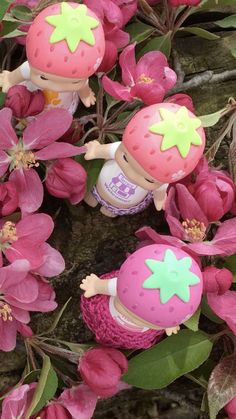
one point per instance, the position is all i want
(216, 280)
(24, 103)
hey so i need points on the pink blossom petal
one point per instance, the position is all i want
(112, 13)
(176, 227)
(18, 401)
(24, 330)
(8, 330)
(46, 128)
(29, 188)
(53, 262)
(36, 228)
(128, 10)
(8, 138)
(146, 233)
(19, 313)
(4, 162)
(188, 206)
(118, 37)
(149, 93)
(225, 307)
(225, 238)
(170, 204)
(58, 150)
(23, 249)
(80, 401)
(116, 90)
(14, 274)
(150, 64)
(128, 64)
(205, 248)
(25, 291)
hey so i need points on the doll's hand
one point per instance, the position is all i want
(172, 330)
(89, 100)
(92, 150)
(4, 81)
(90, 285)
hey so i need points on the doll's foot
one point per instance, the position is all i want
(172, 330)
(107, 212)
(90, 200)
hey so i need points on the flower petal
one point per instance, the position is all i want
(225, 238)
(46, 128)
(29, 188)
(225, 307)
(149, 93)
(25, 292)
(116, 90)
(53, 263)
(80, 401)
(188, 205)
(36, 228)
(128, 64)
(59, 150)
(8, 332)
(176, 227)
(4, 162)
(14, 274)
(8, 136)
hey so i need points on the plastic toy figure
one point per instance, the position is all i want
(157, 288)
(64, 46)
(161, 144)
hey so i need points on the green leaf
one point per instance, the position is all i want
(45, 389)
(111, 101)
(202, 374)
(31, 377)
(207, 312)
(233, 52)
(202, 33)
(227, 22)
(2, 99)
(230, 263)
(157, 367)
(212, 4)
(161, 43)
(211, 119)
(4, 4)
(139, 31)
(9, 28)
(92, 167)
(222, 385)
(56, 320)
(193, 322)
(22, 13)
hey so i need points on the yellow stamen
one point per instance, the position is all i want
(24, 159)
(8, 233)
(194, 229)
(5, 313)
(145, 79)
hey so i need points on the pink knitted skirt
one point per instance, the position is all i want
(96, 314)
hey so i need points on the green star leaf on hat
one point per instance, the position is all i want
(178, 129)
(171, 276)
(73, 26)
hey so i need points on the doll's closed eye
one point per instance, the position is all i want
(125, 158)
(150, 181)
(43, 78)
(75, 82)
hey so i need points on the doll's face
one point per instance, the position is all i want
(47, 81)
(133, 318)
(134, 172)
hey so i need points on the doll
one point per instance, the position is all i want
(161, 144)
(157, 288)
(64, 46)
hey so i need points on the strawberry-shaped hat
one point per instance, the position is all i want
(66, 39)
(166, 139)
(160, 284)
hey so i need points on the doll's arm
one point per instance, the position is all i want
(95, 150)
(93, 285)
(10, 78)
(86, 95)
(159, 196)
(172, 330)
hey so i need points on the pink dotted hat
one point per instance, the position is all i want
(166, 139)
(160, 284)
(67, 40)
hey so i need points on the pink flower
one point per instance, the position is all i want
(24, 103)
(148, 80)
(26, 240)
(66, 179)
(181, 99)
(225, 307)
(73, 134)
(230, 409)
(20, 292)
(37, 143)
(110, 57)
(216, 280)
(223, 243)
(80, 401)
(54, 411)
(8, 198)
(102, 368)
(214, 191)
(16, 404)
(176, 3)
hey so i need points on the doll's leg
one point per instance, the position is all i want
(90, 200)
(107, 212)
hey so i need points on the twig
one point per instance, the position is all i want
(211, 152)
(196, 81)
(177, 67)
(225, 75)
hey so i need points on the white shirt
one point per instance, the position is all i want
(113, 181)
(64, 100)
